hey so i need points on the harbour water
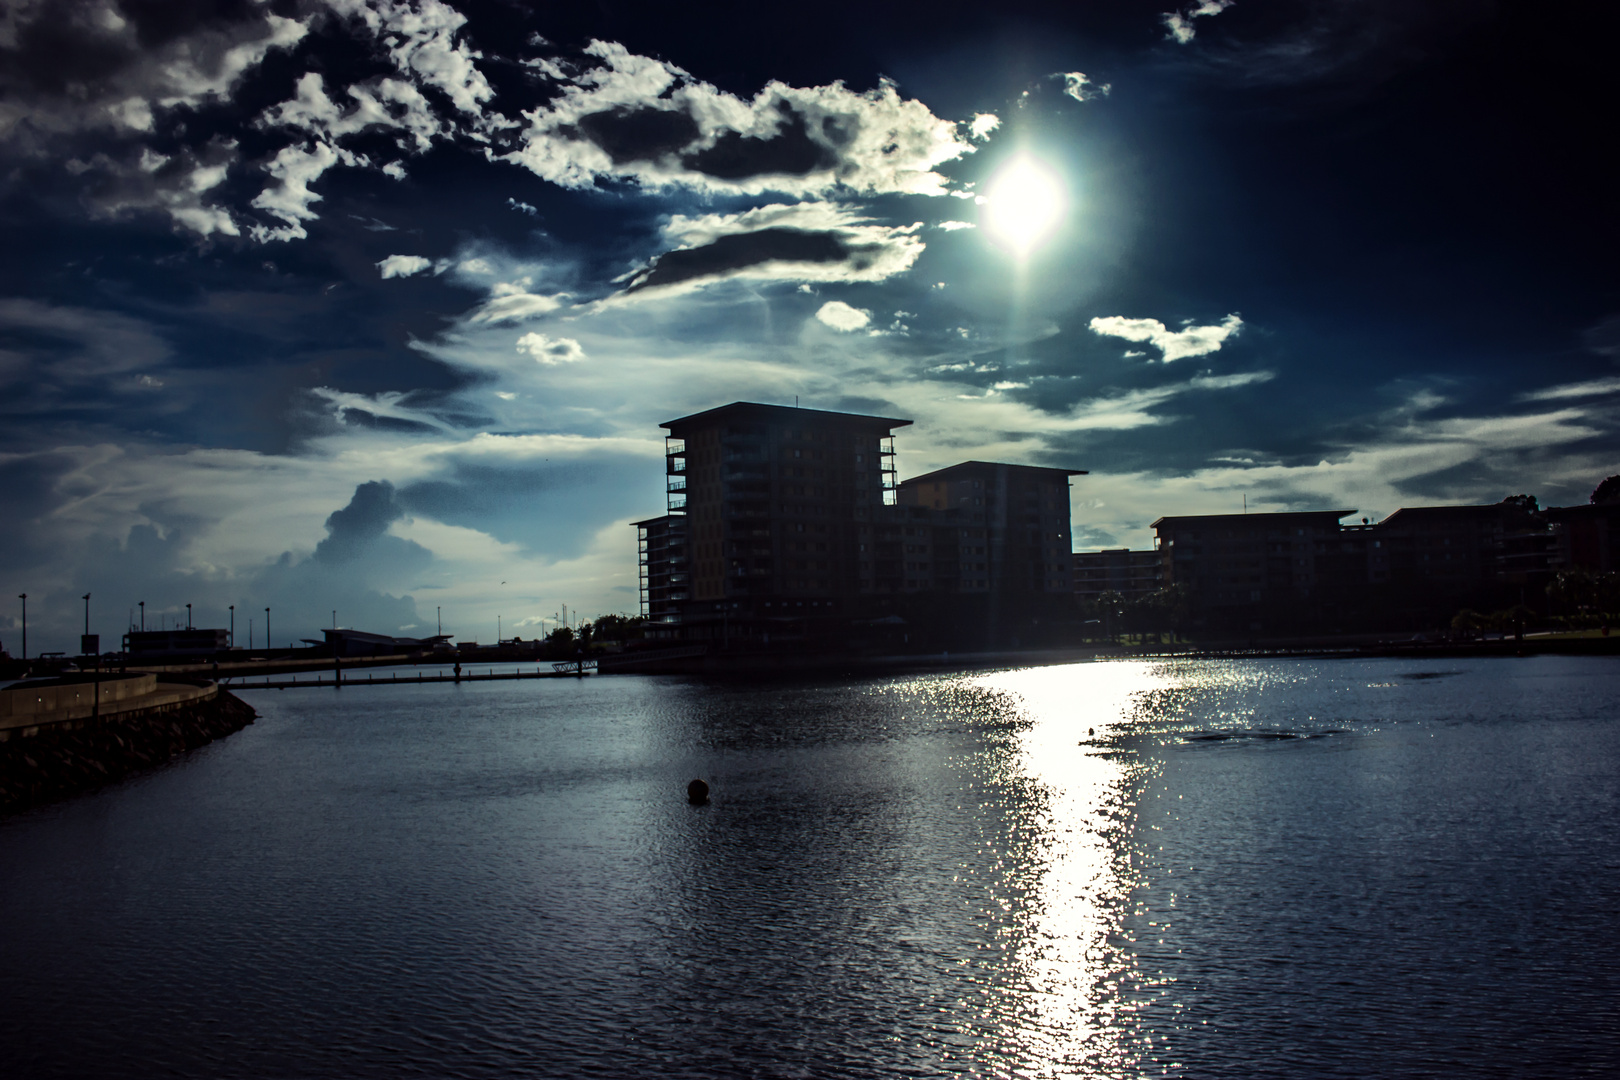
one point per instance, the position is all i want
(1199, 868)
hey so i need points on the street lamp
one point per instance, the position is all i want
(267, 631)
(24, 598)
(233, 626)
(188, 616)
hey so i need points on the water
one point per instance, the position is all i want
(1336, 868)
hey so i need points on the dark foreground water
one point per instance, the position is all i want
(1121, 869)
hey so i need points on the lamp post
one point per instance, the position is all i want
(188, 616)
(24, 598)
(233, 626)
(142, 606)
(266, 632)
(86, 599)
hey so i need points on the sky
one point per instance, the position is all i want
(369, 310)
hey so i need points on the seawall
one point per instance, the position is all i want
(63, 738)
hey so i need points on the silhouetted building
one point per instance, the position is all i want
(1305, 572)
(355, 643)
(1586, 537)
(780, 506)
(786, 525)
(991, 528)
(666, 582)
(170, 644)
(1129, 573)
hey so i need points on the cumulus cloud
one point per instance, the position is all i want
(1173, 344)
(633, 118)
(547, 350)
(420, 36)
(1081, 87)
(982, 125)
(74, 65)
(289, 198)
(1180, 23)
(403, 265)
(800, 242)
(840, 316)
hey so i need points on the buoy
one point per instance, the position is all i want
(697, 793)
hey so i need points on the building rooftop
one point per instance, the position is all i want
(974, 466)
(749, 411)
(1255, 518)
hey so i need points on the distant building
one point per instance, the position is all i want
(1586, 537)
(169, 644)
(347, 643)
(1305, 571)
(995, 527)
(666, 579)
(1129, 573)
(786, 524)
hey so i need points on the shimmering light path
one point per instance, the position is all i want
(1128, 869)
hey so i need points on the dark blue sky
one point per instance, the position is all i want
(376, 305)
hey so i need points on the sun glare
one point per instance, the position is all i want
(1023, 204)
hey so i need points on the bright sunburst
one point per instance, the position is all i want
(1023, 204)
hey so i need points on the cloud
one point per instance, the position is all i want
(550, 350)
(631, 118)
(1569, 391)
(69, 357)
(1180, 23)
(386, 103)
(1174, 344)
(982, 125)
(403, 265)
(177, 183)
(511, 301)
(74, 65)
(840, 316)
(420, 36)
(800, 242)
(1081, 87)
(1128, 410)
(293, 169)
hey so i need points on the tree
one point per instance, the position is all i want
(1607, 492)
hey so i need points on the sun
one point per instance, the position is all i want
(1023, 204)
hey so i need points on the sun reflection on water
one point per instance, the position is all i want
(1074, 973)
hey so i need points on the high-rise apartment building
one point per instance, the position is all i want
(785, 524)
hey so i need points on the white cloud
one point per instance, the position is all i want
(649, 122)
(420, 36)
(982, 125)
(403, 265)
(1174, 344)
(814, 241)
(1594, 388)
(289, 198)
(953, 226)
(840, 316)
(511, 301)
(1180, 23)
(1081, 87)
(547, 350)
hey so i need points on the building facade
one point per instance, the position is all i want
(787, 524)
(1131, 574)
